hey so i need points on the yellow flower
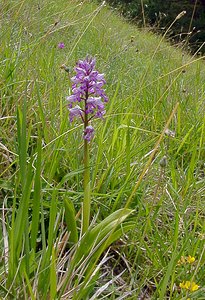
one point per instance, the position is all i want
(186, 259)
(193, 287)
(182, 260)
(185, 285)
(188, 285)
(190, 259)
(182, 285)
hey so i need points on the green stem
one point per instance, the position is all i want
(86, 202)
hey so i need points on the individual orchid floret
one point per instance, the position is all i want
(75, 112)
(88, 93)
(88, 133)
(95, 106)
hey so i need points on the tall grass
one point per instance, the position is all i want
(41, 159)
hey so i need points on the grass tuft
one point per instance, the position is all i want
(146, 161)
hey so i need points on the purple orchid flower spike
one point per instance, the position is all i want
(88, 97)
(87, 101)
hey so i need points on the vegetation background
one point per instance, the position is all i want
(149, 153)
(160, 14)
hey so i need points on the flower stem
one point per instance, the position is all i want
(86, 202)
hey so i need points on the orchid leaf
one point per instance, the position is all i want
(70, 221)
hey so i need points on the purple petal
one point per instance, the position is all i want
(87, 87)
(89, 133)
(61, 45)
(75, 112)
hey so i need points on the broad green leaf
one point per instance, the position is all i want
(96, 240)
(70, 221)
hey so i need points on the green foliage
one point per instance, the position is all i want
(71, 221)
(128, 252)
(187, 30)
(89, 249)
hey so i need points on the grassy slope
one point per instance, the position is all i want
(143, 85)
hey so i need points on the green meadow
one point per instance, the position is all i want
(146, 238)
